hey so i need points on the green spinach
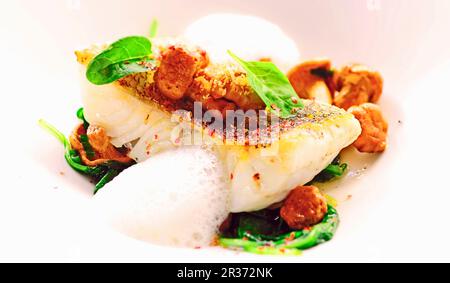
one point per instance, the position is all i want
(101, 174)
(334, 170)
(287, 243)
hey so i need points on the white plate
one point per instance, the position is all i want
(398, 209)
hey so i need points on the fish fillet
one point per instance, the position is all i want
(262, 176)
(259, 176)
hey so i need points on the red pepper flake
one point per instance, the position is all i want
(257, 177)
(148, 148)
(197, 248)
(156, 137)
(231, 176)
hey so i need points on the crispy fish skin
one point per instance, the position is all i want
(262, 176)
(184, 75)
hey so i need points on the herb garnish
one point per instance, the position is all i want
(126, 56)
(272, 86)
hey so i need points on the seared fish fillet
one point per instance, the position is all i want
(259, 175)
(262, 176)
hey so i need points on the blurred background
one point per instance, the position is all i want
(395, 35)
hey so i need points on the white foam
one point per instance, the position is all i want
(178, 198)
(249, 37)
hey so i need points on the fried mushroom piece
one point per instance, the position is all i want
(186, 74)
(313, 80)
(177, 69)
(374, 128)
(305, 206)
(356, 84)
(224, 82)
(100, 142)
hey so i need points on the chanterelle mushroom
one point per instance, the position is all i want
(104, 151)
(356, 84)
(313, 80)
(374, 128)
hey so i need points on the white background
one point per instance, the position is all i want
(399, 209)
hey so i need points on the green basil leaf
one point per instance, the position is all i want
(124, 57)
(272, 86)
